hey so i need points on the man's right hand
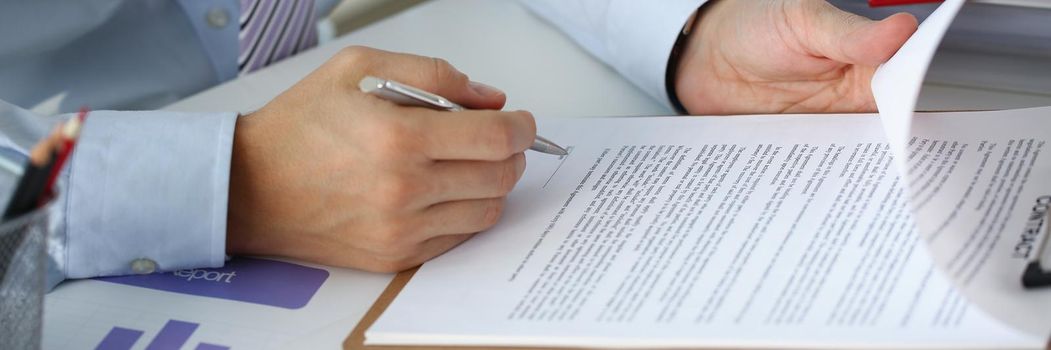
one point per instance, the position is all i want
(331, 175)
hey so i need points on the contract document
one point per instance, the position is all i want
(753, 231)
(897, 230)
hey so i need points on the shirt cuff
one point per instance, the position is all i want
(634, 37)
(640, 38)
(147, 186)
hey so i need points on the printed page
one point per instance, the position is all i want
(896, 84)
(981, 200)
(761, 231)
(979, 193)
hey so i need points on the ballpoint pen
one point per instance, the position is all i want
(409, 96)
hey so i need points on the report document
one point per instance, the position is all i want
(890, 230)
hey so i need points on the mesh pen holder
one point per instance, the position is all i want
(23, 265)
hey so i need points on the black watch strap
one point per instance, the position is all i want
(673, 62)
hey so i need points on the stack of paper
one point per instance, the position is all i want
(759, 231)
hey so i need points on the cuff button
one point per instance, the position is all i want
(217, 18)
(143, 266)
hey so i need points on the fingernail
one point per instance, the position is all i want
(485, 90)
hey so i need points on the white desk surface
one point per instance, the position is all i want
(502, 44)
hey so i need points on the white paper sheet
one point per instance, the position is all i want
(984, 253)
(759, 231)
(762, 231)
(897, 83)
(980, 206)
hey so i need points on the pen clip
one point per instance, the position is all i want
(406, 95)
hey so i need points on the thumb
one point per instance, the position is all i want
(852, 39)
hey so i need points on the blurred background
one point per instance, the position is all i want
(353, 14)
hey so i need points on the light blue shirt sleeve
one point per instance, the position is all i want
(148, 185)
(139, 185)
(32, 27)
(635, 37)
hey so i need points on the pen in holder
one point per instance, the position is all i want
(23, 267)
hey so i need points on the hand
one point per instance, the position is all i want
(789, 56)
(330, 175)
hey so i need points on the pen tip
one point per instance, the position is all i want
(544, 145)
(71, 129)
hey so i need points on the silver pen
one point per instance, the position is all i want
(409, 96)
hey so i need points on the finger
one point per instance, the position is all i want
(849, 38)
(474, 215)
(430, 74)
(476, 135)
(460, 180)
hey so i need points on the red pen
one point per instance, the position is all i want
(70, 133)
(878, 3)
(36, 185)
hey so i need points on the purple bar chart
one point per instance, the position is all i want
(172, 336)
(120, 338)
